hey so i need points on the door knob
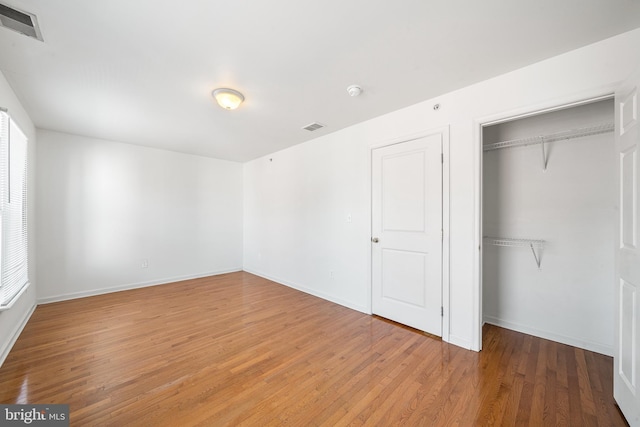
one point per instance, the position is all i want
(374, 239)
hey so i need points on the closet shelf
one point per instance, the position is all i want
(503, 241)
(559, 136)
(519, 243)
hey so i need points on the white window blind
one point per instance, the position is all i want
(14, 277)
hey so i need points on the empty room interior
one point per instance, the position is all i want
(320, 213)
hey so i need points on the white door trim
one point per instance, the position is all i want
(568, 101)
(444, 131)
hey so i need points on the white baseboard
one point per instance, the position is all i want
(7, 346)
(101, 291)
(311, 291)
(575, 342)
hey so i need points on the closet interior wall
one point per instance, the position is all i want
(568, 213)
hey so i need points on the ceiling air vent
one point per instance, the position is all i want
(313, 126)
(22, 22)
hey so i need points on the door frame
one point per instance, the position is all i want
(444, 132)
(561, 103)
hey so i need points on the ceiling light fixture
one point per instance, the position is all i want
(228, 99)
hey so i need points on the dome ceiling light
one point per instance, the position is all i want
(229, 99)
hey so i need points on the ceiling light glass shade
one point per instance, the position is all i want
(228, 99)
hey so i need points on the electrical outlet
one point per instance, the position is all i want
(348, 217)
(145, 263)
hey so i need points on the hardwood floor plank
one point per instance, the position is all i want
(494, 384)
(584, 381)
(538, 409)
(239, 350)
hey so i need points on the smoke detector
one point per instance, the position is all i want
(354, 90)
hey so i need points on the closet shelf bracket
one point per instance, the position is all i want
(544, 153)
(536, 246)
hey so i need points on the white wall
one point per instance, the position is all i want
(13, 320)
(296, 232)
(571, 206)
(107, 206)
(296, 205)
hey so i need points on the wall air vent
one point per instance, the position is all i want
(22, 22)
(313, 126)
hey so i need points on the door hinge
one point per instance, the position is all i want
(441, 311)
(442, 158)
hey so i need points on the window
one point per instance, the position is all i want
(14, 277)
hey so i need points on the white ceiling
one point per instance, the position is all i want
(142, 71)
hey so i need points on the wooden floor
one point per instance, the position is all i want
(237, 349)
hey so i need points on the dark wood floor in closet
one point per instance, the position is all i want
(237, 349)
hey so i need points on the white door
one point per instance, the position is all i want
(626, 361)
(407, 233)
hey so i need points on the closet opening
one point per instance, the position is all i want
(548, 215)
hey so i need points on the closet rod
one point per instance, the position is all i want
(559, 136)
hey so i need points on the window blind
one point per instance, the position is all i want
(13, 211)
